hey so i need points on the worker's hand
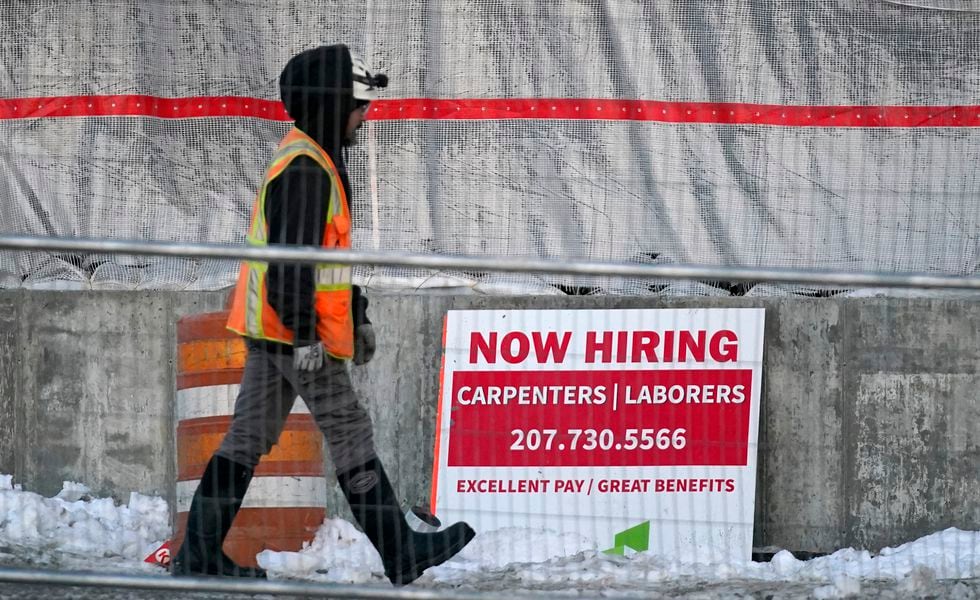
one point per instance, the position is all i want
(308, 358)
(364, 344)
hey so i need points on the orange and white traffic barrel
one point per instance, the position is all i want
(286, 501)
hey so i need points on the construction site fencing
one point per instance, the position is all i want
(812, 439)
(829, 135)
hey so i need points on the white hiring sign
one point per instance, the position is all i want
(635, 429)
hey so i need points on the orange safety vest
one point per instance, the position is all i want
(251, 314)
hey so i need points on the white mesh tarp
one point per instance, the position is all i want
(900, 197)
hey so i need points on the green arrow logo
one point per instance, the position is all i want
(635, 538)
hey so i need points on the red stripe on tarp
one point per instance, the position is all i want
(142, 106)
(680, 112)
(428, 109)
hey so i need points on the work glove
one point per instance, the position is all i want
(308, 358)
(364, 344)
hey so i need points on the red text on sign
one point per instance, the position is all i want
(515, 346)
(604, 347)
(600, 418)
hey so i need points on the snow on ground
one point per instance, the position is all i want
(75, 531)
(72, 528)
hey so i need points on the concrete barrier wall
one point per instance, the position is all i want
(869, 434)
(87, 387)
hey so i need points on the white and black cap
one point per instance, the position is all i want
(366, 85)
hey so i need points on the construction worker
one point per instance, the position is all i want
(302, 324)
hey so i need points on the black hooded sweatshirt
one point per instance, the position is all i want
(317, 90)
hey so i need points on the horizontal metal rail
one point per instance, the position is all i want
(314, 255)
(232, 585)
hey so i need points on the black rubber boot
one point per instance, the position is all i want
(404, 552)
(213, 509)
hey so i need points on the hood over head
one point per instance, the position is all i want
(317, 89)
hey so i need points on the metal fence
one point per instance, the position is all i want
(890, 399)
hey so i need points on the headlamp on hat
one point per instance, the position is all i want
(366, 85)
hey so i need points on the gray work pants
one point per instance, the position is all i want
(269, 389)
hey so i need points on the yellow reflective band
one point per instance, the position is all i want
(294, 149)
(253, 300)
(333, 207)
(297, 145)
(332, 276)
(259, 232)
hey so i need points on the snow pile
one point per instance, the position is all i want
(73, 530)
(338, 554)
(73, 523)
(949, 554)
(342, 554)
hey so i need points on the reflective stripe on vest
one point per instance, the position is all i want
(253, 299)
(251, 314)
(332, 277)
